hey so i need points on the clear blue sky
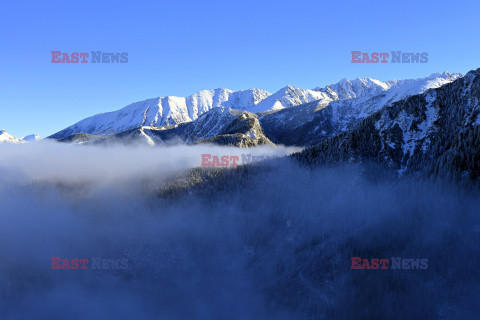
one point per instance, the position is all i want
(180, 47)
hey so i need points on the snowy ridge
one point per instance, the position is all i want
(223, 126)
(310, 123)
(346, 89)
(346, 112)
(165, 111)
(168, 111)
(367, 87)
(288, 97)
(5, 137)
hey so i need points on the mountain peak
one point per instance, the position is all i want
(445, 74)
(286, 89)
(6, 137)
(31, 137)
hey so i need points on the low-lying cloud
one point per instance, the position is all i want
(266, 244)
(50, 161)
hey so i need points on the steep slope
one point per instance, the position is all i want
(5, 137)
(434, 134)
(310, 123)
(222, 126)
(165, 111)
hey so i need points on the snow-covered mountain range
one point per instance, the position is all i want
(429, 125)
(165, 111)
(6, 137)
(310, 123)
(171, 111)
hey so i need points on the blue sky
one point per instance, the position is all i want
(181, 47)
